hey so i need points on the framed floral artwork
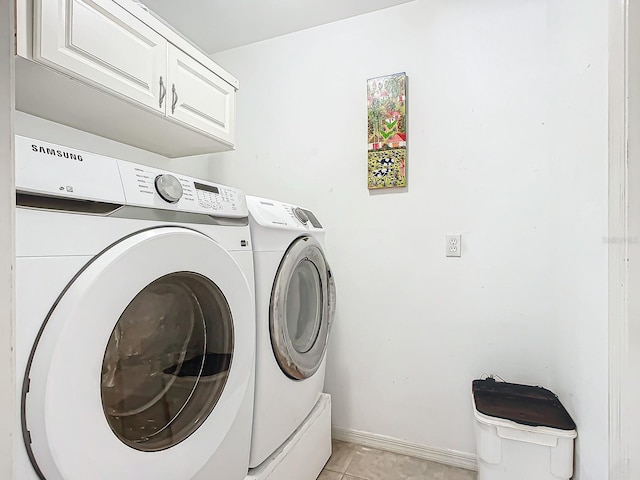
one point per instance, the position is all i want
(387, 131)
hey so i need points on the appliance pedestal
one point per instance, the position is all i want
(305, 452)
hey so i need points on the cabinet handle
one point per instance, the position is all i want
(163, 92)
(175, 98)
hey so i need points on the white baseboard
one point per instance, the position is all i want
(382, 442)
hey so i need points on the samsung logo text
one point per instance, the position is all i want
(56, 153)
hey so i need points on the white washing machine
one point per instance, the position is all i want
(135, 321)
(295, 304)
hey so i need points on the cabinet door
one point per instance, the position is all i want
(199, 98)
(101, 42)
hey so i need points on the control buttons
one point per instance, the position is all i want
(169, 188)
(222, 200)
(300, 215)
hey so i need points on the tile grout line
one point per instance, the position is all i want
(343, 473)
(353, 454)
(354, 476)
(355, 451)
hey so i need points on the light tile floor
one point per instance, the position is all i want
(355, 462)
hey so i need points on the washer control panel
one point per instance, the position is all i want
(151, 187)
(48, 169)
(44, 168)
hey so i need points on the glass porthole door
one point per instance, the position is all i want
(301, 310)
(167, 361)
(142, 364)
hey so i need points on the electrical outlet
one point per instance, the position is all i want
(453, 246)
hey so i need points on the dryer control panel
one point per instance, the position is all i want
(47, 169)
(274, 214)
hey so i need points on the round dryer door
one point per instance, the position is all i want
(142, 365)
(301, 309)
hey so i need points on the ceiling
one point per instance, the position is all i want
(217, 25)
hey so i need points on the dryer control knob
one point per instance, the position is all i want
(300, 215)
(169, 188)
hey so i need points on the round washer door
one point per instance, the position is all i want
(143, 362)
(301, 309)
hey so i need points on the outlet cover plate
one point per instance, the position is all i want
(453, 245)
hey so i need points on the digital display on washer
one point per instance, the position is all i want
(206, 188)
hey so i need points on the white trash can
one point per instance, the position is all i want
(524, 433)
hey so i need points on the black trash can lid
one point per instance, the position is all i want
(523, 404)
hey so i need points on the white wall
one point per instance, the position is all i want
(7, 255)
(578, 150)
(507, 145)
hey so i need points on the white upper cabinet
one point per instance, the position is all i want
(198, 97)
(111, 68)
(102, 43)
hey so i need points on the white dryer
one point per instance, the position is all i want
(135, 325)
(295, 302)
